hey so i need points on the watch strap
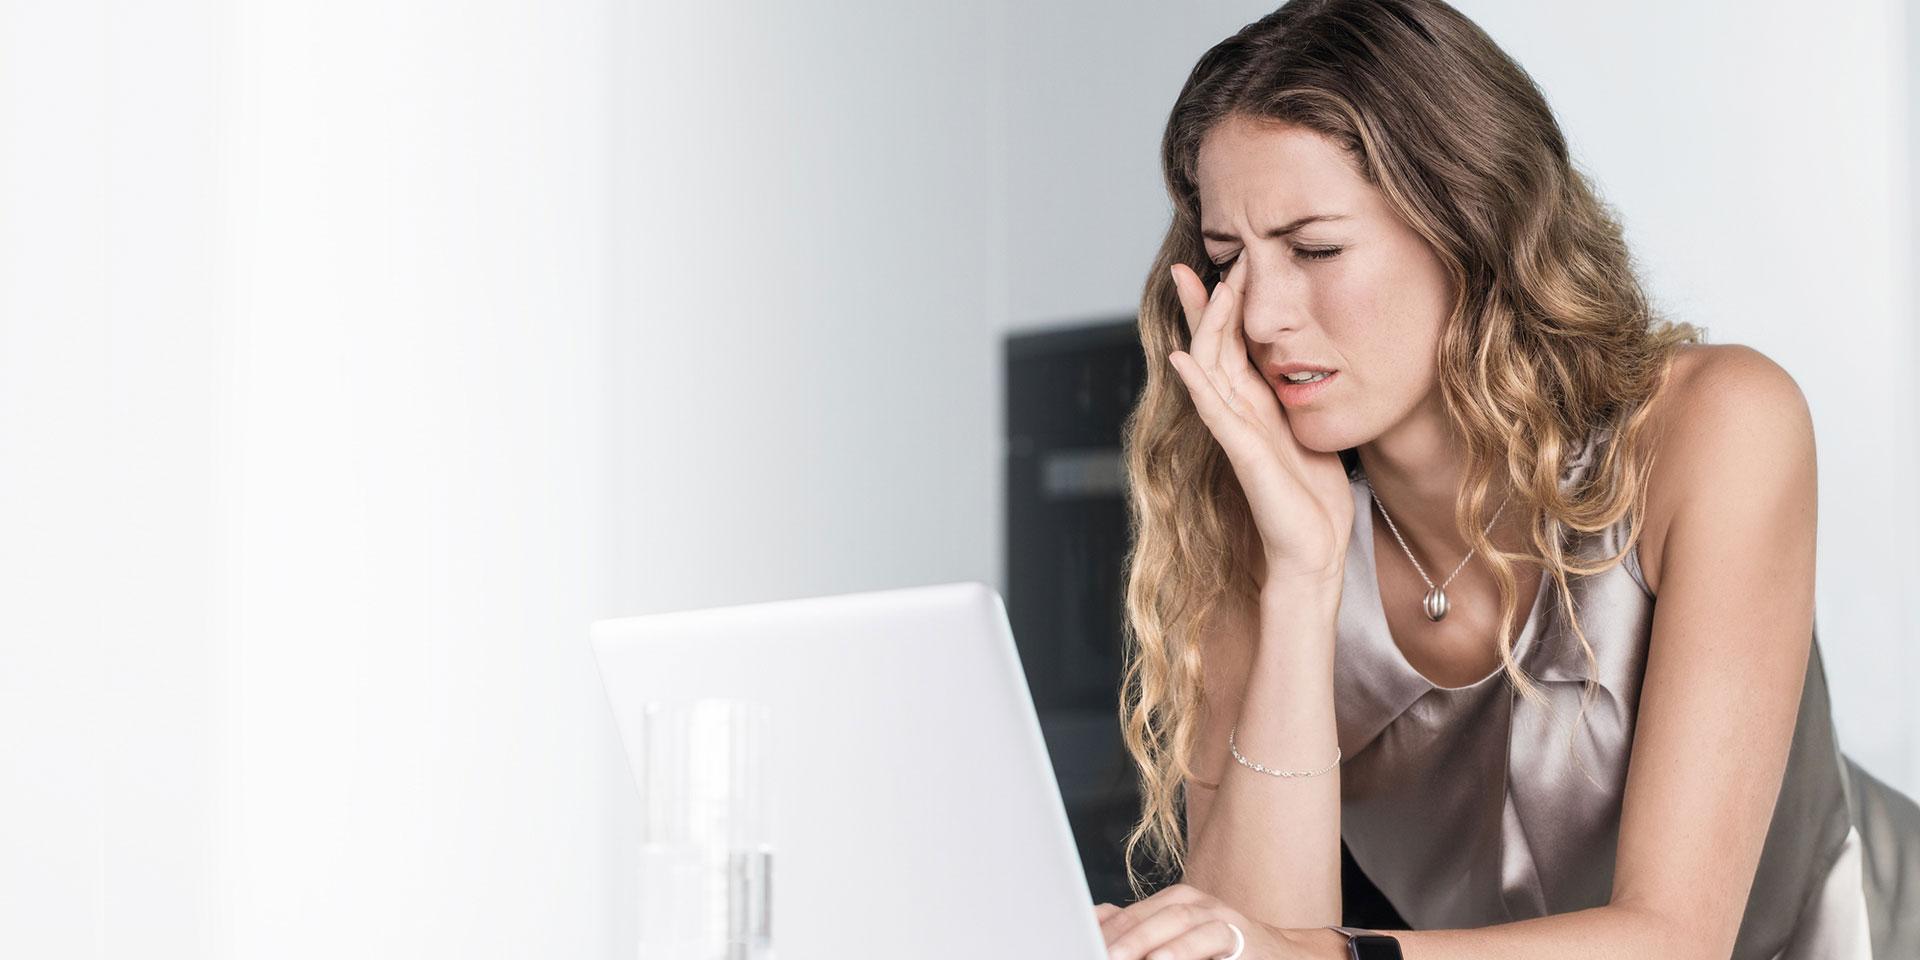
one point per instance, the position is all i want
(1370, 944)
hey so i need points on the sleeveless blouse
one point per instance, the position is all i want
(1465, 807)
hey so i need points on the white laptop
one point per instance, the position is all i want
(914, 810)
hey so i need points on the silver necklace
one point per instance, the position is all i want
(1435, 604)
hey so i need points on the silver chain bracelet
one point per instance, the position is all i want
(1278, 773)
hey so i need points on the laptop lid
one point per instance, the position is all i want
(913, 808)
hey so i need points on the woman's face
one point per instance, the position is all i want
(1361, 293)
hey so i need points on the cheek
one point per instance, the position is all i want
(1422, 291)
(1367, 319)
(1385, 321)
(1404, 300)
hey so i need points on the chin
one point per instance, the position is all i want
(1321, 433)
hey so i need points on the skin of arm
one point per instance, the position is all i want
(1732, 633)
(1269, 845)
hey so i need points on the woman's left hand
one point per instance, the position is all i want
(1182, 922)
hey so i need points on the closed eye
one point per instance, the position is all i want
(1220, 267)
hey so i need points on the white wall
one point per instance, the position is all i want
(810, 218)
(1758, 157)
(413, 479)
(360, 355)
(303, 331)
(112, 706)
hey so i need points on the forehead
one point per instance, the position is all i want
(1273, 170)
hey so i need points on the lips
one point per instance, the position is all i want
(1294, 395)
(1279, 371)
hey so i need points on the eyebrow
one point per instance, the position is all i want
(1277, 232)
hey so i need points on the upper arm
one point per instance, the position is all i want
(1226, 656)
(1728, 656)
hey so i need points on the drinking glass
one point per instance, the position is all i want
(706, 860)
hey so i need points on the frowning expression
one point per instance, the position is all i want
(1335, 279)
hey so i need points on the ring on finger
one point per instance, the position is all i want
(1239, 942)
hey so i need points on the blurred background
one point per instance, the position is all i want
(355, 356)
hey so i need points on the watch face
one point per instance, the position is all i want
(1369, 946)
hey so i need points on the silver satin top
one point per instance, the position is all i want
(1464, 806)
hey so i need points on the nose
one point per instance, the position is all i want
(1273, 302)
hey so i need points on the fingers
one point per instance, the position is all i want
(1215, 331)
(1117, 921)
(1215, 343)
(1220, 416)
(1229, 343)
(1228, 366)
(1231, 358)
(1223, 319)
(1200, 307)
(1175, 927)
(1208, 940)
(1193, 295)
(1219, 347)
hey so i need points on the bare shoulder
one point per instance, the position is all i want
(1728, 411)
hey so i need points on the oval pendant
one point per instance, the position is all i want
(1436, 604)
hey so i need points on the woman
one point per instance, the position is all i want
(1387, 292)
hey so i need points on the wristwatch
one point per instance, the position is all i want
(1368, 945)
